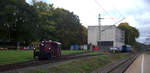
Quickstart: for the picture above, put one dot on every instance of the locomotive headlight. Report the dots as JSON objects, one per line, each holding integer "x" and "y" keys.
{"x": 42, "y": 44}
{"x": 49, "y": 48}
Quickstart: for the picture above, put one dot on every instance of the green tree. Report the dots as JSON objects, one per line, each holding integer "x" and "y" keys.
{"x": 18, "y": 20}
{"x": 131, "y": 33}
{"x": 45, "y": 21}
{"x": 23, "y": 22}
{"x": 69, "y": 26}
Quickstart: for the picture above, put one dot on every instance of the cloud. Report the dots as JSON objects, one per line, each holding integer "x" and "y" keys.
{"x": 147, "y": 1}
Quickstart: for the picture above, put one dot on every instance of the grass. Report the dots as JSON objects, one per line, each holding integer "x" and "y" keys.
{"x": 95, "y": 52}
{"x": 118, "y": 56}
{"x": 14, "y": 56}
{"x": 85, "y": 65}
{"x": 65, "y": 52}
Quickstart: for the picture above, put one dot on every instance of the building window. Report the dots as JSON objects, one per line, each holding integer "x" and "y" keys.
{"x": 105, "y": 43}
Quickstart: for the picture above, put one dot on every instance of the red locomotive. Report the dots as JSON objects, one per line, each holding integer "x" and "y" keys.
{"x": 47, "y": 50}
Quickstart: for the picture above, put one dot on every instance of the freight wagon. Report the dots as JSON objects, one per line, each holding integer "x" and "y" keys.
{"x": 125, "y": 48}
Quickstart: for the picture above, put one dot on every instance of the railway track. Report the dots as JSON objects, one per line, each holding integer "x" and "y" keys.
{"x": 119, "y": 67}
{"x": 33, "y": 63}
{"x": 123, "y": 66}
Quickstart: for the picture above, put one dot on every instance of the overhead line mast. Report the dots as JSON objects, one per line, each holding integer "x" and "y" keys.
{"x": 99, "y": 22}
{"x": 104, "y": 9}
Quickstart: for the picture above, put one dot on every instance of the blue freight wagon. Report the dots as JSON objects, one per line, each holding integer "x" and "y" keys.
{"x": 126, "y": 48}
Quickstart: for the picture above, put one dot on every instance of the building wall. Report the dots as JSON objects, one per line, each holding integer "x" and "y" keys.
{"x": 119, "y": 39}
{"x": 92, "y": 35}
{"x": 108, "y": 33}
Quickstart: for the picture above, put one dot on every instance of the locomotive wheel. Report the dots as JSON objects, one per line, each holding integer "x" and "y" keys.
{"x": 36, "y": 55}
{"x": 42, "y": 55}
{"x": 51, "y": 55}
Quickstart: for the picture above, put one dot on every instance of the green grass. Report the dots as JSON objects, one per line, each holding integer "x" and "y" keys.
{"x": 14, "y": 56}
{"x": 85, "y": 65}
{"x": 95, "y": 52}
{"x": 65, "y": 52}
{"x": 118, "y": 56}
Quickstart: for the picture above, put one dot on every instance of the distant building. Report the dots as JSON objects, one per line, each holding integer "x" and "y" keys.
{"x": 111, "y": 36}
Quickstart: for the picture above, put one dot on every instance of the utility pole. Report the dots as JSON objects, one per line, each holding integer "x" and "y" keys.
{"x": 99, "y": 35}
{"x": 99, "y": 23}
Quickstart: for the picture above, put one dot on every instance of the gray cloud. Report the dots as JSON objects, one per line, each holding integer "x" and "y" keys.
{"x": 143, "y": 22}
{"x": 147, "y": 1}
{"x": 144, "y": 30}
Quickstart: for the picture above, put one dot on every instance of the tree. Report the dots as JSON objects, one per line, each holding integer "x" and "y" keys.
{"x": 60, "y": 25}
{"x": 140, "y": 46}
{"x": 46, "y": 22}
{"x": 69, "y": 26}
{"x": 18, "y": 20}
{"x": 131, "y": 33}
{"x": 23, "y": 22}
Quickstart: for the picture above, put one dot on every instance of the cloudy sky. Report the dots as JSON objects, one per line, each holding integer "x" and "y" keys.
{"x": 135, "y": 12}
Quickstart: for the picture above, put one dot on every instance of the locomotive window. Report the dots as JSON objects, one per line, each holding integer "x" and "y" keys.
{"x": 47, "y": 46}
{"x": 55, "y": 45}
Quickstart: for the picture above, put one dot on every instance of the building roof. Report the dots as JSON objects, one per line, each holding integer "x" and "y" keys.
{"x": 104, "y": 27}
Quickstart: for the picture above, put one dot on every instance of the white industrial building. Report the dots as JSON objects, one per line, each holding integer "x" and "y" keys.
{"x": 109, "y": 36}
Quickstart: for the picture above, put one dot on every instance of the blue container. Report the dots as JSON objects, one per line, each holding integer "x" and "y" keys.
{"x": 74, "y": 47}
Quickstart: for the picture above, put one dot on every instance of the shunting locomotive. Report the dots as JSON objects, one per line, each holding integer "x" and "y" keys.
{"x": 47, "y": 50}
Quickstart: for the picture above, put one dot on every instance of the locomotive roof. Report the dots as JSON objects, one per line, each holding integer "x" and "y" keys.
{"x": 54, "y": 42}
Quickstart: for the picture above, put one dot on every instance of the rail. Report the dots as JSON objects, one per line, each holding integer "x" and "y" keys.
{"x": 119, "y": 66}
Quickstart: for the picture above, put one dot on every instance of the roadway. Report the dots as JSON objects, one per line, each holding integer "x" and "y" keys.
{"x": 140, "y": 65}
